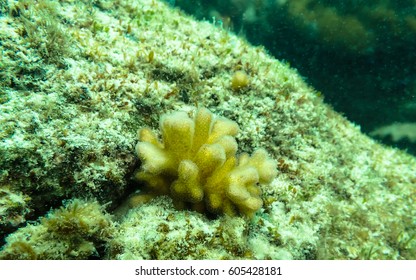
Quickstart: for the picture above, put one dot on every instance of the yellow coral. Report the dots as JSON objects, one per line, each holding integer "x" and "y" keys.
{"x": 239, "y": 80}
{"x": 196, "y": 164}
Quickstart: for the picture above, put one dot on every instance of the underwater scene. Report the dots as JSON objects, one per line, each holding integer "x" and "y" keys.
{"x": 224, "y": 130}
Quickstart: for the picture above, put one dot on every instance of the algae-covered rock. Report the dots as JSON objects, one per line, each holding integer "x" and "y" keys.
{"x": 69, "y": 116}
{"x": 78, "y": 230}
{"x": 13, "y": 207}
{"x": 170, "y": 234}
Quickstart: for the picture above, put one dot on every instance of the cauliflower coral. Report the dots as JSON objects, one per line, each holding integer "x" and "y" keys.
{"x": 196, "y": 164}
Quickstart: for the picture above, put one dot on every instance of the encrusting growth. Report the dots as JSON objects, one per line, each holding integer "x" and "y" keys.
{"x": 196, "y": 164}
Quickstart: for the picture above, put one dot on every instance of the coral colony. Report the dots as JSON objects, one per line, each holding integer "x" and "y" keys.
{"x": 196, "y": 164}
